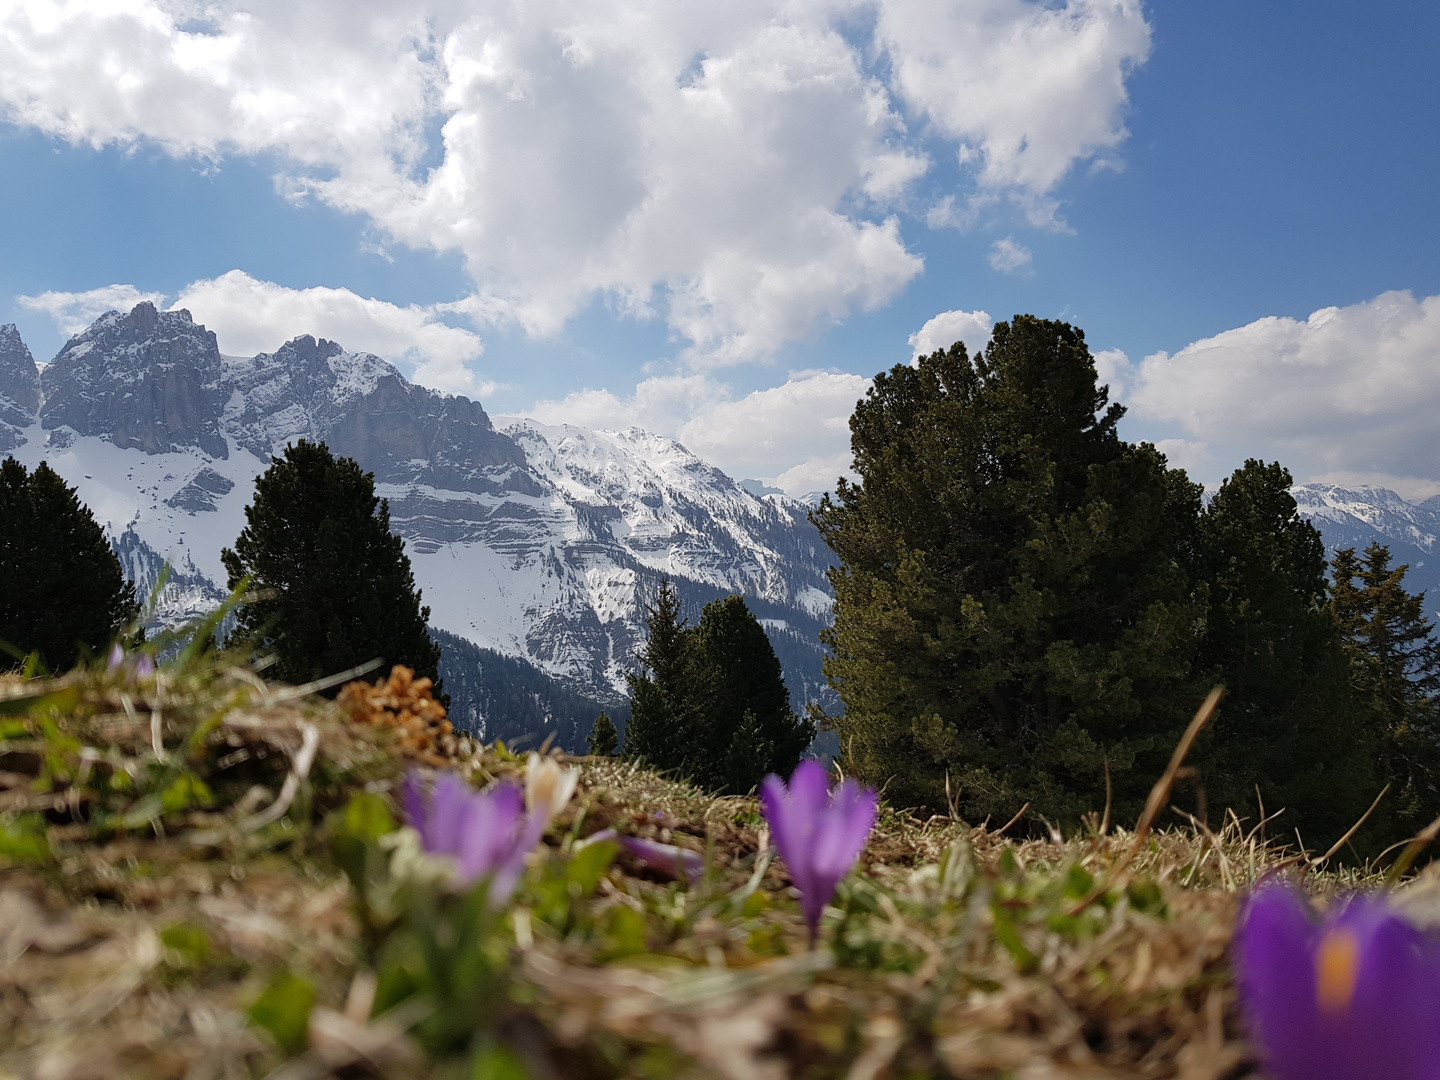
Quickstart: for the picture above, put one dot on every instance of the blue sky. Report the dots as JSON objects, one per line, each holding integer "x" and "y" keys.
{"x": 1207, "y": 178}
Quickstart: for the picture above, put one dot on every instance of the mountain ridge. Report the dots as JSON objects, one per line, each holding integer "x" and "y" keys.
{"x": 542, "y": 543}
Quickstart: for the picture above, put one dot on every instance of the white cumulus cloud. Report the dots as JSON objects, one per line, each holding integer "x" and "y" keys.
{"x": 1007, "y": 256}
{"x": 250, "y": 316}
{"x": 1351, "y": 392}
{"x": 1024, "y": 89}
{"x": 971, "y": 327}
{"x": 734, "y": 169}
{"x": 74, "y": 311}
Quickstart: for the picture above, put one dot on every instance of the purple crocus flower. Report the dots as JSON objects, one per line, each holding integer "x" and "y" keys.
{"x": 140, "y": 665}
{"x": 819, "y": 833}
{"x": 1355, "y": 997}
{"x": 669, "y": 859}
{"x": 488, "y": 833}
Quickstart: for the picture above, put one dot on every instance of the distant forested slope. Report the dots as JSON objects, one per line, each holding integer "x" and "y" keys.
{"x": 493, "y": 696}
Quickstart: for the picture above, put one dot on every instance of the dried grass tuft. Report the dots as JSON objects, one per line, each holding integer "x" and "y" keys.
{"x": 133, "y": 937}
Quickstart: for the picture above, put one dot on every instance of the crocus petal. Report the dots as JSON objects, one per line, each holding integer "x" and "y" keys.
{"x": 1353, "y": 998}
{"x": 548, "y": 785}
{"x": 448, "y": 801}
{"x": 486, "y": 832}
{"x": 773, "y": 803}
{"x": 809, "y": 787}
{"x": 819, "y": 835}
{"x": 116, "y": 657}
{"x": 668, "y": 858}
{"x": 489, "y": 831}
{"x": 144, "y": 666}
{"x": 1275, "y": 948}
{"x": 511, "y": 865}
{"x": 846, "y": 826}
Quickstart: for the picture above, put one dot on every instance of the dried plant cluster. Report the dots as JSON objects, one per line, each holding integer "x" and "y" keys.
{"x": 404, "y": 702}
{"x": 171, "y": 905}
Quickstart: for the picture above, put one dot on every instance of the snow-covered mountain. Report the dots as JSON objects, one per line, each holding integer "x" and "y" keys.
{"x": 1354, "y": 517}
{"x": 538, "y": 542}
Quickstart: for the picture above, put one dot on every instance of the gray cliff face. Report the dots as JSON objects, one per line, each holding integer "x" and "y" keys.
{"x": 365, "y": 409}
{"x": 145, "y": 380}
{"x": 19, "y": 388}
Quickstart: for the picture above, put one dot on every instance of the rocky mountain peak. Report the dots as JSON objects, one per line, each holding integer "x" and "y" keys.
{"x": 19, "y": 387}
{"x": 146, "y": 379}
{"x": 542, "y": 543}
{"x": 363, "y": 408}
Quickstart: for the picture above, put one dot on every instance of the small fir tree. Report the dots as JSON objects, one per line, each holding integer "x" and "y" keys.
{"x": 748, "y": 757}
{"x": 604, "y": 739}
{"x": 711, "y": 702}
{"x": 62, "y": 591}
{"x": 1394, "y": 661}
{"x": 663, "y": 718}
{"x": 332, "y": 585}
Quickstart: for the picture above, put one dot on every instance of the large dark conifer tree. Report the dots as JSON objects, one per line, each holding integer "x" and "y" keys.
{"x": 749, "y": 726}
{"x": 1012, "y": 606}
{"x": 332, "y": 585}
{"x": 1288, "y": 730}
{"x": 62, "y": 591}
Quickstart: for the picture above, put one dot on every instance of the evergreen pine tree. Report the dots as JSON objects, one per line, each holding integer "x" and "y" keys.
{"x": 747, "y": 758}
{"x": 62, "y": 591}
{"x": 1286, "y": 727}
{"x": 749, "y": 728}
{"x": 604, "y": 739}
{"x": 332, "y": 585}
{"x": 1012, "y": 605}
{"x": 711, "y": 702}
{"x": 1394, "y": 663}
{"x": 663, "y": 718}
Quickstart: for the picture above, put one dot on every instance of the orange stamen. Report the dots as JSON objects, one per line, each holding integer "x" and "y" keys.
{"x": 1337, "y": 965}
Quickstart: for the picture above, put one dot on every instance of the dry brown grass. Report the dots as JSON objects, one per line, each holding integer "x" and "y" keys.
{"x": 135, "y": 951}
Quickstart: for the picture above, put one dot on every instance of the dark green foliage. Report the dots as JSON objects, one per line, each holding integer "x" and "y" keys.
{"x": 1287, "y": 726}
{"x": 1012, "y": 605}
{"x": 746, "y": 704}
{"x": 714, "y": 704}
{"x": 62, "y": 591}
{"x": 604, "y": 739}
{"x": 494, "y": 696}
{"x": 1394, "y": 661}
{"x": 664, "y": 721}
{"x": 332, "y": 584}
{"x": 748, "y": 757}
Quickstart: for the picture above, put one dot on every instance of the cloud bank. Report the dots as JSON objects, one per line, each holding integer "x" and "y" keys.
{"x": 971, "y": 327}
{"x": 1349, "y": 395}
{"x": 738, "y": 170}
{"x": 72, "y": 312}
{"x": 250, "y": 316}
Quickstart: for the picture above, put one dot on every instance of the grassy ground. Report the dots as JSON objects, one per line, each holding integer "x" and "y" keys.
{"x": 171, "y": 905}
